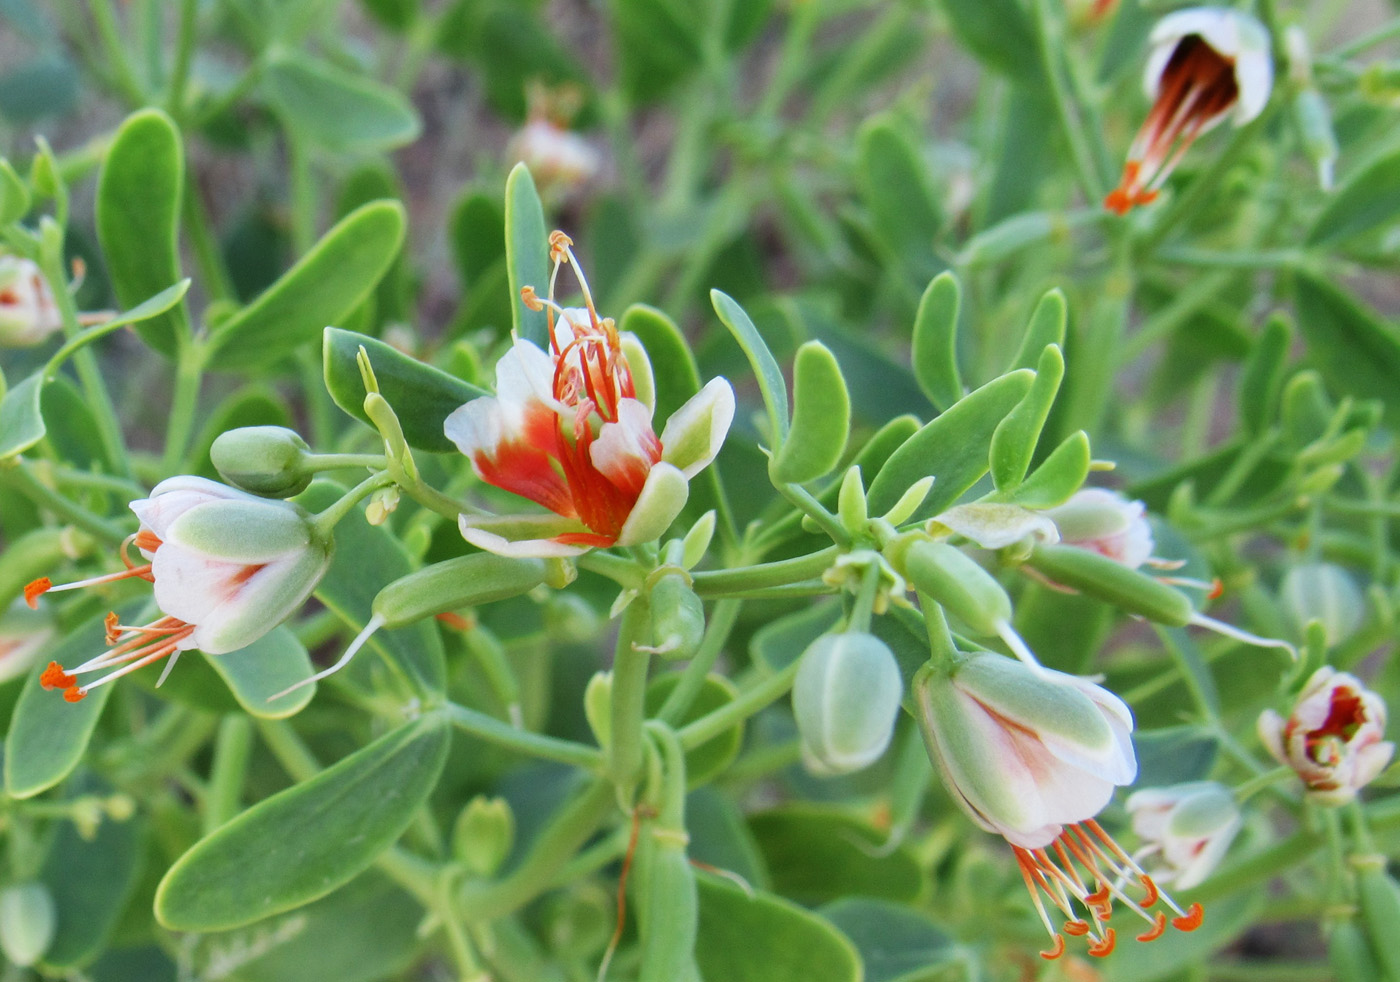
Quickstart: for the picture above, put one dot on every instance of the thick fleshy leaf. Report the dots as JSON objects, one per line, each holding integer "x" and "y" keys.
{"x": 303, "y": 842}
{"x": 770, "y": 378}
{"x": 264, "y": 668}
{"x": 757, "y": 937}
{"x": 1356, "y": 351}
{"x": 1172, "y": 953}
{"x": 326, "y": 284}
{"x": 1261, "y": 379}
{"x": 1174, "y": 755}
{"x": 1015, "y": 438}
{"x": 1368, "y": 199}
{"x": 895, "y": 943}
{"x": 48, "y": 735}
{"x": 821, "y": 417}
{"x": 336, "y": 109}
{"x": 1047, "y": 326}
{"x": 14, "y": 195}
{"x": 422, "y": 396}
{"x": 1062, "y": 474}
{"x": 935, "y": 343}
{"x": 527, "y": 254}
{"x": 138, "y": 218}
{"x": 895, "y": 188}
{"x": 90, "y": 881}
{"x": 367, "y": 558}
{"x": 816, "y": 856}
{"x": 720, "y": 837}
{"x": 952, "y": 448}
{"x": 1000, "y": 34}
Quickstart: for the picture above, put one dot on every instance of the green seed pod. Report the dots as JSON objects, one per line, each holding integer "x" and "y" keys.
{"x": 955, "y": 581}
{"x": 846, "y": 699}
{"x": 483, "y": 835}
{"x": 266, "y": 460}
{"x": 1111, "y": 581}
{"x": 1379, "y": 897}
{"x": 1350, "y": 953}
{"x": 27, "y": 921}
{"x": 466, "y": 581}
{"x": 677, "y": 618}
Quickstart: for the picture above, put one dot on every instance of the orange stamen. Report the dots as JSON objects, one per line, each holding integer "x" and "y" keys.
{"x": 1056, "y": 951}
{"x": 1077, "y": 928}
{"x": 55, "y": 677}
{"x": 74, "y": 693}
{"x": 1158, "y": 929}
{"x": 1104, "y": 947}
{"x": 114, "y": 630}
{"x": 1194, "y": 915}
{"x": 1217, "y": 587}
{"x": 146, "y": 540}
{"x": 34, "y": 590}
{"x": 1149, "y": 889}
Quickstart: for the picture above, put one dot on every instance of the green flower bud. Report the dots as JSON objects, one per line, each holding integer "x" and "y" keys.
{"x": 266, "y": 460}
{"x": 955, "y": 581}
{"x": 1323, "y": 592}
{"x": 846, "y": 699}
{"x": 27, "y": 921}
{"x": 483, "y": 835}
{"x": 597, "y": 707}
{"x": 677, "y": 618}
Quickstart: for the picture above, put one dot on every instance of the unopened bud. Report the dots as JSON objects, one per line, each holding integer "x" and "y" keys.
{"x": 1326, "y": 593}
{"x": 266, "y": 460}
{"x": 677, "y": 618}
{"x": 846, "y": 699}
{"x": 484, "y": 834}
{"x": 27, "y": 922}
{"x": 382, "y": 503}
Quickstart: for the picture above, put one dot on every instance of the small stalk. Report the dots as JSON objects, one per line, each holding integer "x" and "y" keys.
{"x": 629, "y": 687}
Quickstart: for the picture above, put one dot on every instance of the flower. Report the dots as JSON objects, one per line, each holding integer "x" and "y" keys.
{"x": 28, "y": 313}
{"x": 1332, "y": 738}
{"x": 557, "y": 157}
{"x": 1190, "y": 826}
{"x": 571, "y": 429}
{"x": 1033, "y": 755}
{"x": 226, "y": 567}
{"x": 1105, "y": 522}
{"x": 1205, "y": 63}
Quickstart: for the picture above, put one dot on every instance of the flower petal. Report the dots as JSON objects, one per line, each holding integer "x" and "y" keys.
{"x": 626, "y": 449}
{"x": 662, "y": 498}
{"x": 524, "y": 536}
{"x": 696, "y": 431}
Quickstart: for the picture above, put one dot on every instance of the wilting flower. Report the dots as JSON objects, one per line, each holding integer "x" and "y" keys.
{"x": 1187, "y": 826}
{"x": 1034, "y": 755}
{"x": 1332, "y": 739}
{"x": 1105, "y": 522}
{"x": 28, "y": 313}
{"x": 569, "y": 429}
{"x": 226, "y": 568}
{"x": 1206, "y": 63}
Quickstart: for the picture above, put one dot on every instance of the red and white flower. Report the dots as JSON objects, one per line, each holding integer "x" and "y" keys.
{"x": 1105, "y": 522}
{"x": 1206, "y": 64}
{"x": 1033, "y": 755}
{"x": 226, "y": 567}
{"x": 1332, "y": 739}
{"x": 28, "y": 313}
{"x": 1188, "y": 827}
{"x": 571, "y": 429}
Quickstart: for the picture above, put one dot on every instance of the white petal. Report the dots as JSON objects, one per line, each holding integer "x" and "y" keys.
{"x": 520, "y": 548}
{"x": 525, "y": 374}
{"x": 993, "y": 526}
{"x": 1270, "y": 727}
{"x": 696, "y": 431}
{"x": 475, "y": 427}
{"x": 662, "y": 498}
{"x": 174, "y": 496}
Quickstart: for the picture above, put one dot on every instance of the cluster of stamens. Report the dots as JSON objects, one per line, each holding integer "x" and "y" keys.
{"x": 130, "y": 647}
{"x": 1053, "y": 872}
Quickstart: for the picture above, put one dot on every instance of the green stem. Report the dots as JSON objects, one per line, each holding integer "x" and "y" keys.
{"x": 1052, "y": 48}
{"x": 778, "y": 574}
{"x": 73, "y": 477}
{"x": 328, "y": 519}
{"x": 816, "y": 511}
{"x": 184, "y": 54}
{"x": 629, "y": 687}
{"x": 1261, "y": 782}
{"x": 745, "y": 704}
{"x": 22, "y": 479}
{"x": 284, "y": 743}
{"x": 722, "y": 620}
{"x": 317, "y": 462}
{"x": 105, "y": 20}
{"x": 502, "y": 734}
{"x": 1379, "y": 36}
{"x": 184, "y": 403}
{"x": 208, "y": 256}
{"x": 624, "y": 572}
{"x": 570, "y": 828}
{"x": 232, "y": 747}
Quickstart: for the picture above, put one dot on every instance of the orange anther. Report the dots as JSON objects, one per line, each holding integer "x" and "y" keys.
{"x": 1194, "y": 915}
{"x": 1149, "y": 890}
{"x": 74, "y": 693}
{"x": 55, "y": 677}
{"x": 1056, "y": 951}
{"x": 1217, "y": 587}
{"x": 1077, "y": 928}
{"x": 113, "y": 628}
{"x": 1099, "y": 898}
{"x": 530, "y": 298}
{"x": 1158, "y": 929}
{"x": 558, "y": 246}
{"x": 1104, "y": 946}
{"x": 34, "y": 590}
{"x": 456, "y": 621}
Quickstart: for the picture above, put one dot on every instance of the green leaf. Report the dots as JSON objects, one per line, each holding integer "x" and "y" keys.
{"x": 659, "y": 43}
{"x": 527, "y": 253}
{"x": 770, "y": 378}
{"x": 1015, "y": 438}
{"x": 1000, "y": 34}
{"x": 1357, "y": 352}
{"x": 935, "y": 353}
{"x": 91, "y": 881}
{"x": 1061, "y": 474}
{"x": 713, "y": 757}
{"x": 14, "y": 194}
{"x": 895, "y": 943}
{"x": 1174, "y": 755}
{"x": 757, "y": 937}
{"x": 422, "y": 396}
{"x": 1047, "y": 326}
{"x": 267, "y": 666}
{"x": 367, "y": 558}
{"x": 821, "y": 417}
{"x": 894, "y": 184}
{"x": 816, "y": 856}
{"x": 1172, "y": 953}
{"x": 952, "y": 447}
{"x": 302, "y": 843}
{"x": 720, "y": 837}
{"x": 49, "y": 735}
{"x": 1369, "y": 199}
{"x": 1261, "y": 379}
{"x": 21, "y": 422}
{"x": 324, "y": 286}
{"x": 781, "y": 642}
{"x": 138, "y": 219}
{"x": 336, "y": 109}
